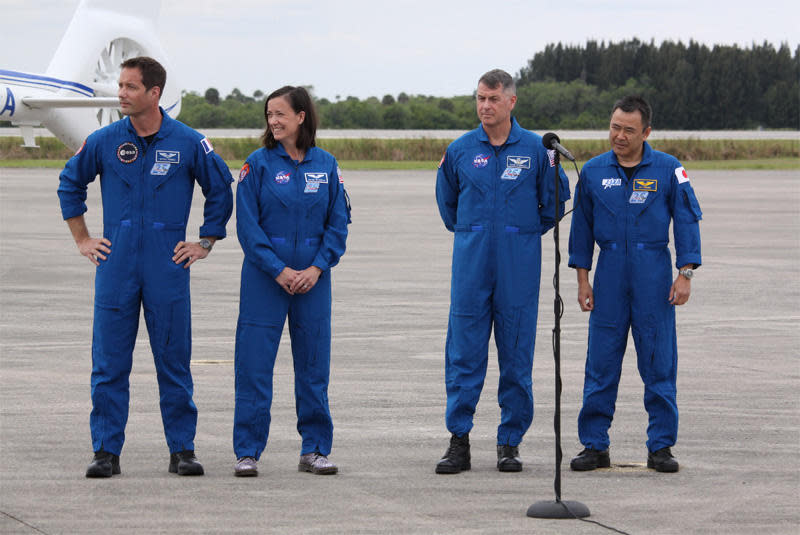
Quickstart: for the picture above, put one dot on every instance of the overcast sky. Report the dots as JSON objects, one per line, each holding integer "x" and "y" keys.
{"x": 372, "y": 48}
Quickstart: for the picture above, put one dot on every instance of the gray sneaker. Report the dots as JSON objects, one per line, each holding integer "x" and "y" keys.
{"x": 246, "y": 467}
{"x": 316, "y": 464}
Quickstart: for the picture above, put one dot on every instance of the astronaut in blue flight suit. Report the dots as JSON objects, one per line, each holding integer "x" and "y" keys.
{"x": 291, "y": 217}
{"x": 624, "y": 202}
{"x": 148, "y": 164}
{"x": 496, "y": 193}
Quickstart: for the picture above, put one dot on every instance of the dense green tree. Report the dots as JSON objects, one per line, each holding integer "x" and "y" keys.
{"x": 212, "y": 96}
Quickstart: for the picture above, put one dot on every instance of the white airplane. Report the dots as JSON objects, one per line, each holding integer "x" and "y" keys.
{"x": 77, "y": 94}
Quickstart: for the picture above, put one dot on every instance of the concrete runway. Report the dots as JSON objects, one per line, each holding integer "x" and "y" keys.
{"x": 738, "y": 386}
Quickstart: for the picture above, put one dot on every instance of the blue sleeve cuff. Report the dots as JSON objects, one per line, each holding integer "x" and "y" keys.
{"x": 213, "y": 230}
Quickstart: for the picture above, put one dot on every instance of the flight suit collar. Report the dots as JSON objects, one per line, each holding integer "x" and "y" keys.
{"x": 280, "y": 151}
{"x": 513, "y": 135}
{"x": 167, "y": 125}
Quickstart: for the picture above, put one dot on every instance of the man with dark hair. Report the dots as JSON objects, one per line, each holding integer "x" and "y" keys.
{"x": 148, "y": 164}
{"x": 624, "y": 202}
{"x": 496, "y": 192}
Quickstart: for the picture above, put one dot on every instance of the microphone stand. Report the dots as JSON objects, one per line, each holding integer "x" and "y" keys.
{"x": 557, "y": 508}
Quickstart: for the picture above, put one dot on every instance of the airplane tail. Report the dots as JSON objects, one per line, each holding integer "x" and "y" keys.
{"x": 101, "y": 35}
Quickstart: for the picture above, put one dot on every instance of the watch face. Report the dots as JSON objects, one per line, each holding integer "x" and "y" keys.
{"x": 688, "y": 273}
{"x": 205, "y": 244}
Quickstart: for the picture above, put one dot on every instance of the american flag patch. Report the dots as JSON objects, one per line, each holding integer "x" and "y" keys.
{"x": 551, "y": 155}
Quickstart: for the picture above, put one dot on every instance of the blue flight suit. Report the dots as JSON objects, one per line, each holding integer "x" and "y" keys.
{"x": 497, "y": 201}
{"x": 291, "y": 214}
{"x": 629, "y": 219}
{"x": 147, "y": 194}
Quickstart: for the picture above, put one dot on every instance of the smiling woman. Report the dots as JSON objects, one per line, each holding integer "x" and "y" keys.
{"x": 292, "y": 214}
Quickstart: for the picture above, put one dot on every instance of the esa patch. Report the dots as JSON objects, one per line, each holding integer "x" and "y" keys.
{"x": 244, "y": 171}
{"x": 511, "y": 173}
{"x": 312, "y": 187}
{"x": 611, "y": 182}
{"x": 319, "y": 178}
{"x": 160, "y": 168}
{"x": 480, "y": 161}
{"x": 127, "y": 152}
{"x": 645, "y": 184}
{"x": 519, "y": 162}
{"x": 168, "y": 156}
{"x": 206, "y": 144}
{"x": 638, "y": 197}
{"x": 681, "y": 174}
{"x": 283, "y": 177}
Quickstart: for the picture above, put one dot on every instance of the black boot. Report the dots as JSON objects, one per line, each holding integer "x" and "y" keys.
{"x": 104, "y": 464}
{"x": 508, "y": 458}
{"x": 184, "y": 463}
{"x": 589, "y": 459}
{"x": 456, "y": 458}
{"x": 662, "y": 460}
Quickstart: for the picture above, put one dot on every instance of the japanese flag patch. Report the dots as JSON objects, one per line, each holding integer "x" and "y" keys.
{"x": 682, "y": 175}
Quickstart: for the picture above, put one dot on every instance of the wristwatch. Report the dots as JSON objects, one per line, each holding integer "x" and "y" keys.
{"x": 206, "y": 244}
{"x": 688, "y": 273}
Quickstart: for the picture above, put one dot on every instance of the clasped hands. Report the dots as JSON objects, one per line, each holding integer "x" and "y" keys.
{"x": 298, "y": 282}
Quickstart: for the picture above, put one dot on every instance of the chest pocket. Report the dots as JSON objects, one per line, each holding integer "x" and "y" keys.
{"x": 171, "y": 188}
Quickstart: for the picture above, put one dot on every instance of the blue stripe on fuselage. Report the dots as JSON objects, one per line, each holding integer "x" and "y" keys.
{"x": 36, "y": 80}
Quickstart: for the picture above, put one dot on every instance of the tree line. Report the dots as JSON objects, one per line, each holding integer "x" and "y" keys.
{"x": 691, "y": 87}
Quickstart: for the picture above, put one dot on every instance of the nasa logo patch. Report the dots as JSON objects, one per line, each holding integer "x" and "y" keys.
{"x": 127, "y": 152}
{"x": 283, "y": 177}
{"x": 480, "y": 161}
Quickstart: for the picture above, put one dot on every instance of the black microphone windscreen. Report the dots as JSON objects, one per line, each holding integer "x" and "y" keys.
{"x": 548, "y": 138}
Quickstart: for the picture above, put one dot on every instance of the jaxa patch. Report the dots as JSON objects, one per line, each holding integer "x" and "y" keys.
{"x": 127, "y": 152}
{"x": 168, "y": 156}
{"x": 682, "y": 175}
{"x": 244, "y": 171}
{"x": 206, "y": 144}
{"x": 645, "y": 184}
{"x": 511, "y": 173}
{"x": 319, "y": 178}
{"x": 611, "y": 182}
{"x": 160, "y": 168}
{"x": 480, "y": 161}
{"x": 519, "y": 162}
{"x": 638, "y": 197}
{"x": 312, "y": 187}
{"x": 283, "y": 177}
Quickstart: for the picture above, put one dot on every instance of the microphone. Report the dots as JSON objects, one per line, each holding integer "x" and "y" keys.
{"x": 551, "y": 141}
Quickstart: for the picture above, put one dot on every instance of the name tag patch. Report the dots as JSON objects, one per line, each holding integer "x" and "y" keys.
{"x": 521, "y": 162}
{"x": 168, "y": 156}
{"x": 645, "y": 184}
{"x": 312, "y": 187}
{"x": 160, "y": 168}
{"x": 638, "y": 197}
{"x": 511, "y": 173}
{"x": 319, "y": 178}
